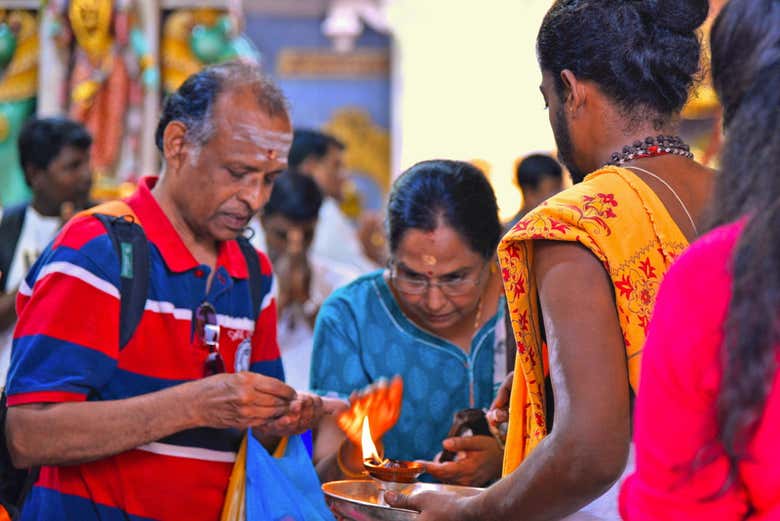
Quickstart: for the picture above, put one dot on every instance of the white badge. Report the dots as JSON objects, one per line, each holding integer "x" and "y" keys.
{"x": 242, "y": 355}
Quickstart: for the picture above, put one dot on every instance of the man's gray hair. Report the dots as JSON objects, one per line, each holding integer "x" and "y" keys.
{"x": 192, "y": 104}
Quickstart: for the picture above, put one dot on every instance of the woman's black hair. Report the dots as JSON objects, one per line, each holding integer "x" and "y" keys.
{"x": 454, "y": 193}
{"x": 746, "y": 75}
{"x": 643, "y": 54}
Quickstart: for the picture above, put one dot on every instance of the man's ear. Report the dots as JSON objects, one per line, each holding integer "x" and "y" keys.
{"x": 308, "y": 165}
{"x": 175, "y": 144}
{"x": 34, "y": 176}
{"x": 575, "y": 93}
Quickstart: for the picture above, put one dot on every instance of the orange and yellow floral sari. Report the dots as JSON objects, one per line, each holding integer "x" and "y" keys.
{"x": 620, "y": 219}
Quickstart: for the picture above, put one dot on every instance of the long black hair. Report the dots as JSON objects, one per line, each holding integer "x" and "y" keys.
{"x": 453, "y": 192}
{"x": 643, "y": 54}
{"x": 746, "y": 75}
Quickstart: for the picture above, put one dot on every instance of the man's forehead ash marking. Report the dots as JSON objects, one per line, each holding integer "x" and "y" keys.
{"x": 275, "y": 144}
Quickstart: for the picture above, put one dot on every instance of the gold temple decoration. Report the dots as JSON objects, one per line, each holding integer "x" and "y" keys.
{"x": 368, "y": 145}
{"x": 91, "y": 24}
{"x": 20, "y": 78}
{"x": 703, "y": 102}
{"x": 178, "y": 60}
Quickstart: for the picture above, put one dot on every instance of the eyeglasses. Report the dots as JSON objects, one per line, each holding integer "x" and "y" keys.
{"x": 207, "y": 331}
{"x": 452, "y": 286}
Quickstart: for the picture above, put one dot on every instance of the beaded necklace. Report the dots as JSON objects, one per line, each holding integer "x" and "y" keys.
{"x": 651, "y": 147}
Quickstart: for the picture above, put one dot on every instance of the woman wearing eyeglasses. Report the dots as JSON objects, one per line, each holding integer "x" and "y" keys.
{"x": 435, "y": 317}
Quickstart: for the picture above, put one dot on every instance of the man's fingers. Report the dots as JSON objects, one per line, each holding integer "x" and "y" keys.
{"x": 468, "y": 443}
{"x": 504, "y": 392}
{"x": 502, "y": 398}
{"x": 334, "y": 405}
{"x": 272, "y": 386}
{"x": 496, "y": 417}
{"x": 442, "y": 471}
{"x": 397, "y": 500}
{"x": 265, "y": 414}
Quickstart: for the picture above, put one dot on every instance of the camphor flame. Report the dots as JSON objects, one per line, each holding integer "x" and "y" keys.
{"x": 370, "y": 454}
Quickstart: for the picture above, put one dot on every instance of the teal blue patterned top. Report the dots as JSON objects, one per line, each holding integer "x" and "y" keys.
{"x": 361, "y": 335}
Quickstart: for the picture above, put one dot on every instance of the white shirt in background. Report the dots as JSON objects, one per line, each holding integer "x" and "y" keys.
{"x": 294, "y": 334}
{"x": 37, "y": 232}
{"x": 337, "y": 239}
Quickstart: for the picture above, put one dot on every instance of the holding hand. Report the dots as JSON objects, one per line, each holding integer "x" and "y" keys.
{"x": 499, "y": 409}
{"x": 241, "y": 400}
{"x": 304, "y": 413}
{"x": 478, "y": 461}
{"x": 435, "y": 506}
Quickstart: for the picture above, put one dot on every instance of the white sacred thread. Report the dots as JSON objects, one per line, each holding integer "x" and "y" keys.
{"x": 679, "y": 200}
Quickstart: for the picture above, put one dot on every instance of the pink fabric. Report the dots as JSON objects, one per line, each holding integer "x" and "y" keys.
{"x": 675, "y": 409}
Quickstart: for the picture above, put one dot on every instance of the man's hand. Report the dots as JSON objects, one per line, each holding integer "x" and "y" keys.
{"x": 243, "y": 400}
{"x": 303, "y": 414}
{"x": 478, "y": 461}
{"x": 434, "y": 506}
{"x": 499, "y": 409}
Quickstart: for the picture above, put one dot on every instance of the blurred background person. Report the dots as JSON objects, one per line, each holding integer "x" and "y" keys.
{"x": 54, "y": 154}
{"x": 708, "y": 414}
{"x": 539, "y": 177}
{"x": 321, "y": 156}
{"x": 303, "y": 280}
{"x": 435, "y": 317}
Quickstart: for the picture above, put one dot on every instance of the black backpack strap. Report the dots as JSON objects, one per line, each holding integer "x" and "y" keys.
{"x": 255, "y": 275}
{"x": 130, "y": 243}
{"x": 10, "y": 230}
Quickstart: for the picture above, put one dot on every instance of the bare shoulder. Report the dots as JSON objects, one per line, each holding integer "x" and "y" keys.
{"x": 567, "y": 254}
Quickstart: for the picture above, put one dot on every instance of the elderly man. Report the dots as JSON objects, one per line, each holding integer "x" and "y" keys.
{"x": 141, "y": 432}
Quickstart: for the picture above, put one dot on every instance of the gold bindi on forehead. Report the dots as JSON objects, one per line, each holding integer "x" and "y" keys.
{"x": 429, "y": 260}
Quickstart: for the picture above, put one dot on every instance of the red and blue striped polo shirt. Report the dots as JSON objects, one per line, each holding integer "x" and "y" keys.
{"x": 66, "y": 348}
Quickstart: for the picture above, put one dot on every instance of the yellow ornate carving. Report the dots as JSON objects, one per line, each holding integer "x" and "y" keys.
{"x": 5, "y": 128}
{"x": 368, "y": 145}
{"x": 91, "y": 24}
{"x": 703, "y": 102}
{"x": 178, "y": 60}
{"x": 20, "y": 79}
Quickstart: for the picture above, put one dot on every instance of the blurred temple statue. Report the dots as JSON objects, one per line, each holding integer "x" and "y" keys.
{"x": 103, "y": 56}
{"x": 18, "y": 84}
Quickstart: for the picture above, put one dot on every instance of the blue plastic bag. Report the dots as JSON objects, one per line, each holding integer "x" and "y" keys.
{"x": 283, "y": 489}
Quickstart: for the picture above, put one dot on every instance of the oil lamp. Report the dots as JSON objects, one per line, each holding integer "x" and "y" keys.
{"x": 391, "y": 474}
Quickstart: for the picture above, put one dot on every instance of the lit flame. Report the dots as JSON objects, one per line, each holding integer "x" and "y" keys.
{"x": 369, "y": 449}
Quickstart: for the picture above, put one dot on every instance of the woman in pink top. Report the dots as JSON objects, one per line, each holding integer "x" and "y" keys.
{"x": 707, "y": 428}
